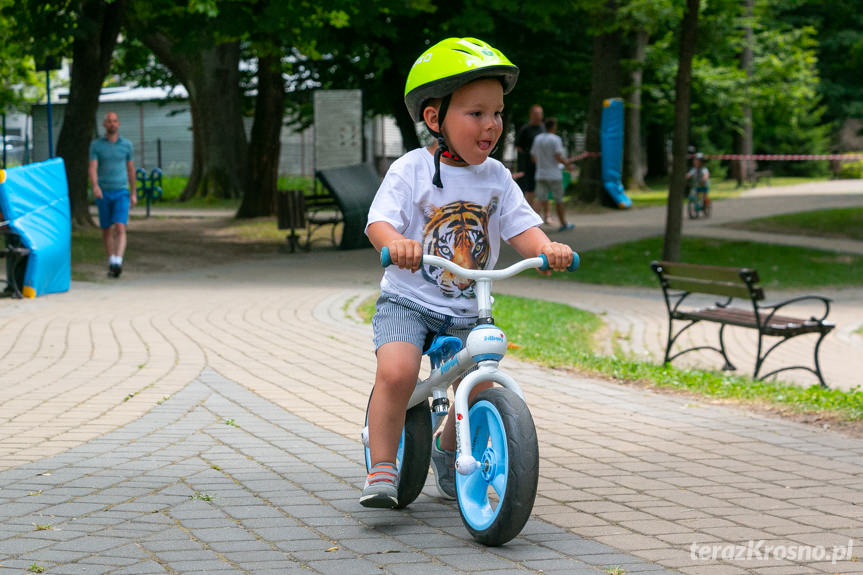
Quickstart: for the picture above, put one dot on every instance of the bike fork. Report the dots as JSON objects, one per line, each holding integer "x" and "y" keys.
{"x": 465, "y": 462}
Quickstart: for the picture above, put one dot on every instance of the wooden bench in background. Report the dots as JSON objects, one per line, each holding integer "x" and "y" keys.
{"x": 680, "y": 280}
{"x": 342, "y": 202}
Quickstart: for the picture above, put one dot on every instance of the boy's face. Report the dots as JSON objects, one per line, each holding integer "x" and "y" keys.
{"x": 473, "y": 122}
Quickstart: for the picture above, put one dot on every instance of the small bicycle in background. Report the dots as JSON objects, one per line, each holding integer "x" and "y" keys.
{"x": 497, "y": 456}
{"x": 698, "y": 204}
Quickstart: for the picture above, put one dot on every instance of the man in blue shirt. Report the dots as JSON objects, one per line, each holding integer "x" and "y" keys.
{"x": 112, "y": 176}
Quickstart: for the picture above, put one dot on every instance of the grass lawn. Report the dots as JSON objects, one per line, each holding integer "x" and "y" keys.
{"x": 172, "y": 187}
{"x": 657, "y": 194}
{"x": 87, "y": 248}
{"x": 557, "y": 335}
{"x": 836, "y": 223}
{"x": 780, "y": 267}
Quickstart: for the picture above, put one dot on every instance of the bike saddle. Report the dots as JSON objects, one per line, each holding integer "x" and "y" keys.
{"x": 443, "y": 346}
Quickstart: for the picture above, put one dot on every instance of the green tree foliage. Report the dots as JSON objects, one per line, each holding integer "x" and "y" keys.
{"x": 783, "y": 91}
{"x": 838, "y": 33}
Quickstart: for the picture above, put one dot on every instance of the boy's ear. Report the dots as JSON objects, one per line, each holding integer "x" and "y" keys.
{"x": 430, "y": 116}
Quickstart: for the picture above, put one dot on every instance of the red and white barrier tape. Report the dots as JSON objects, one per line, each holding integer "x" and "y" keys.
{"x": 782, "y": 157}
{"x": 772, "y": 157}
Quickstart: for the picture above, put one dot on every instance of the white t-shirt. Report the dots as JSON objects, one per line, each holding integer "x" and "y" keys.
{"x": 545, "y": 149}
{"x": 463, "y": 222}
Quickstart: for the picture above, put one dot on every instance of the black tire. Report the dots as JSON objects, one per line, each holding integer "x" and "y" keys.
{"x": 499, "y": 517}
{"x": 414, "y": 463}
{"x": 692, "y": 209}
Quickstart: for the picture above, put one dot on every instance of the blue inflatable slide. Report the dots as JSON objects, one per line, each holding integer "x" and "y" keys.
{"x": 34, "y": 200}
{"x": 611, "y": 139}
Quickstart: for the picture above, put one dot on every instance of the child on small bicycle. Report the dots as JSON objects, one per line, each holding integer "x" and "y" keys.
{"x": 699, "y": 178}
{"x": 451, "y": 200}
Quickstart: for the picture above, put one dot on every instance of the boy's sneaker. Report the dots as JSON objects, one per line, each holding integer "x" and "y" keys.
{"x": 112, "y": 271}
{"x": 565, "y": 227}
{"x": 443, "y": 465}
{"x": 381, "y": 490}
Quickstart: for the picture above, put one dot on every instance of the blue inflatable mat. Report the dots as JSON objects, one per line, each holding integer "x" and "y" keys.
{"x": 34, "y": 200}
{"x": 611, "y": 139}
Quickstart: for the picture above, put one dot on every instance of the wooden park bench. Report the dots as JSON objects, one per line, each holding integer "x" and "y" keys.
{"x": 679, "y": 281}
{"x": 755, "y": 175}
{"x": 16, "y": 261}
{"x": 343, "y": 204}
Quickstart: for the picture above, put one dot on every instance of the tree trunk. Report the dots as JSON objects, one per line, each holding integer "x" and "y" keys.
{"x": 746, "y": 166}
{"x": 408, "y": 131}
{"x": 92, "y": 48}
{"x": 212, "y": 78}
{"x": 633, "y": 118}
{"x": 605, "y": 83}
{"x": 657, "y": 152}
{"x": 265, "y": 144}
{"x": 683, "y": 88}
{"x": 197, "y": 156}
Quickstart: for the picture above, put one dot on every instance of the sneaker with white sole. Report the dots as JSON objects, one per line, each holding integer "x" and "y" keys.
{"x": 443, "y": 465}
{"x": 381, "y": 490}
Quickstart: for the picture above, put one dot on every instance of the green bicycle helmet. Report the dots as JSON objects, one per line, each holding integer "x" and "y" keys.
{"x": 449, "y": 65}
{"x": 443, "y": 69}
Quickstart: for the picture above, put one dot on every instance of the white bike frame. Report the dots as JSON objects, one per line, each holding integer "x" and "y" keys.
{"x": 485, "y": 347}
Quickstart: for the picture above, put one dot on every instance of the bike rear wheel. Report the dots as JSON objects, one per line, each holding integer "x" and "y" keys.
{"x": 496, "y": 500}
{"x": 414, "y": 452}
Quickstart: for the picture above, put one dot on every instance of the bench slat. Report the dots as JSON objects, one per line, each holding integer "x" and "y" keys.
{"x": 709, "y": 287}
{"x": 714, "y": 273}
{"x": 779, "y": 324}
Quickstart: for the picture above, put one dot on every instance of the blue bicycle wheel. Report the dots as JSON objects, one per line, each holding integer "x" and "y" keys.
{"x": 414, "y": 453}
{"x": 496, "y": 500}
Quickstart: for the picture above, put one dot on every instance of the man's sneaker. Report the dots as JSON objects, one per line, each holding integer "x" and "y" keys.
{"x": 443, "y": 465}
{"x": 112, "y": 271}
{"x": 381, "y": 490}
{"x": 565, "y": 227}
{"x": 118, "y": 269}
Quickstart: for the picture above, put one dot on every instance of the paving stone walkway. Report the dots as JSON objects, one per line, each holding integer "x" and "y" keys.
{"x": 207, "y": 422}
{"x": 218, "y": 480}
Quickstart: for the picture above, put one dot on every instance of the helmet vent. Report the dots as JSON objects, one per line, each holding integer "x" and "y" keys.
{"x": 462, "y": 51}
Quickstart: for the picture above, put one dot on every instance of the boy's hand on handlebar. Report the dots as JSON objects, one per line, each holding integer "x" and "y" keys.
{"x": 406, "y": 254}
{"x": 559, "y": 255}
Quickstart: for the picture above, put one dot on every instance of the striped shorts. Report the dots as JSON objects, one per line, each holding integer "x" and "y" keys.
{"x": 399, "y": 318}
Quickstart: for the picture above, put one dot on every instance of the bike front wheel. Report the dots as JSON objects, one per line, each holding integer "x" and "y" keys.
{"x": 496, "y": 500}
{"x": 692, "y": 208}
{"x": 414, "y": 452}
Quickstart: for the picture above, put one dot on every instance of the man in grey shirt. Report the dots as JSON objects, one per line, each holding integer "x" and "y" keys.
{"x": 548, "y": 154}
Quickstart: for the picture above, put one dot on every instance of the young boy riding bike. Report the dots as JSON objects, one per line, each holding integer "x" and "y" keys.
{"x": 451, "y": 200}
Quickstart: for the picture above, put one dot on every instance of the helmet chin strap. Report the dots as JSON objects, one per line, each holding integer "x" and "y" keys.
{"x": 442, "y": 148}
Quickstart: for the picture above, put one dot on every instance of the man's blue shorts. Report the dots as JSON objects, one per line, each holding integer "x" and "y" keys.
{"x": 113, "y": 208}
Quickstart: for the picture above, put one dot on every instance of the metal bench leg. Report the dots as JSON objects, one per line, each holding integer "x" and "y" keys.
{"x": 817, "y": 363}
{"x": 728, "y": 365}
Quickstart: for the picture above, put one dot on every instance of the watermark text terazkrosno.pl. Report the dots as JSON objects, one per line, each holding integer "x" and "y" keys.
{"x": 761, "y": 550}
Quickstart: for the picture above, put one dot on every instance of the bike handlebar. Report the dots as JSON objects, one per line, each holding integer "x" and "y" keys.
{"x": 540, "y": 262}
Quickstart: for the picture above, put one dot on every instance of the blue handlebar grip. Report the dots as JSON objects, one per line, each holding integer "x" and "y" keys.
{"x": 386, "y": 261}
{"x": 576, "y": 261}
{"x": 544, "y": 266}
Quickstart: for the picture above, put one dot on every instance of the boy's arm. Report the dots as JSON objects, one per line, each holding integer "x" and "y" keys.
{"x": 404, "y": 253}
{"x": 533, "y": 241}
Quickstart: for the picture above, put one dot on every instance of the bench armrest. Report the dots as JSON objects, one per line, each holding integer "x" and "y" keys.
{"x": 776, "y": 307}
